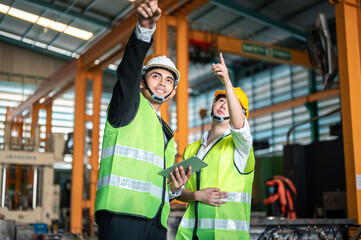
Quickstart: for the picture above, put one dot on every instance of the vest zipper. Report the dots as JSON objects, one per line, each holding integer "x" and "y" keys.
{"x": 160, "y": 209}
{"x": 164, "y": 179}
{"x": 195, "y": 237}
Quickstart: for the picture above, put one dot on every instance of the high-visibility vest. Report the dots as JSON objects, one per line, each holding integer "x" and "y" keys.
{"x": 132, "y": 156}
{"x": 231, "y": 220}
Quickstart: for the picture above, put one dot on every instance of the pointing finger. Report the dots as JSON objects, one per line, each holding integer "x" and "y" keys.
{"x": 221, "y": 59}
{"x": 152, "y": 7}
{"x": 153, "y": 4}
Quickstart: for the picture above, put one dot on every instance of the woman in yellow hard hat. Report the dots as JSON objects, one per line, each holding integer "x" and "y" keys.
{"x": 219, "y": 195}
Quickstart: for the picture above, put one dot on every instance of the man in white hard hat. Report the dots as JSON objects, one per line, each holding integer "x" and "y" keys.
{"x": 132, "y": 199}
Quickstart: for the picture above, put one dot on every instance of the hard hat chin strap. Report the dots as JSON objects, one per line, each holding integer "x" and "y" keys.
{"x": 156, "y": 98}
{"x": 218, "y": 118}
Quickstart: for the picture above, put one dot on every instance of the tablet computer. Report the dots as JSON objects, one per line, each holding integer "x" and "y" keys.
{"x": 196, "y": 164}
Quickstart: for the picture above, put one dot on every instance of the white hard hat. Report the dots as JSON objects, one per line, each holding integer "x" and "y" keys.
{"x": 163, "y": 62}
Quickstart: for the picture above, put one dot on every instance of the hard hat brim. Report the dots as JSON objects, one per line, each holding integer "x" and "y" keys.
{"x": 175, "y": 71}
{"x": 223, "y": 92}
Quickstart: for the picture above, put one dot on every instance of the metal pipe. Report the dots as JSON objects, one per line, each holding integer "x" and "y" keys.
{"x": 35, "y": 187}
{"x": 3, "y": 186}
{"x": 309, "y": 120}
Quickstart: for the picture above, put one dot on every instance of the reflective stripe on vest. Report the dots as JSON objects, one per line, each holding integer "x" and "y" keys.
{"x": 134, "y": 153}
{"x": 131, "y": 184}
{"x": 238, "y": 197}
{"x": 220, "y": 224}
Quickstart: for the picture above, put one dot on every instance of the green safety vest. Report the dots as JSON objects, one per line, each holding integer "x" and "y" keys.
{"x": 231, "y": 220}
{"x": 132, "y": 156}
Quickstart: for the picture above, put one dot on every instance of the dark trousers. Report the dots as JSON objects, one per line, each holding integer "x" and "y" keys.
{"x": 115, "y": 226}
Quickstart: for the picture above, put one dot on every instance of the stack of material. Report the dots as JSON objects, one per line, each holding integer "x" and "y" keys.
{"x": 7, "y": 229}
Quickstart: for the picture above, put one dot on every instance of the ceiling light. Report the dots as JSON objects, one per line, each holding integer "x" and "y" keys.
{"x": 23, "y": 15}
{"x": 57, "y": 26}
{"x": 4, "y": 8}
{"x": 45, "y": 22}
{"x": 76, "y": 32}
{"x": 51, "y": 24}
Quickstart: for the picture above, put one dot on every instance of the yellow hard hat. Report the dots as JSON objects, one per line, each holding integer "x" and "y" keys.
{"x": 242, "y": 97}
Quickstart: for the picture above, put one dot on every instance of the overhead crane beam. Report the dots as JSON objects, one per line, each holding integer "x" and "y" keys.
{"x": 250, "y": 49}
{"x": 255, "y": 50}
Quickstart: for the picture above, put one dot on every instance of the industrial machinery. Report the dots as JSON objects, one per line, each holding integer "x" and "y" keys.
{"x": 28, "y": 194}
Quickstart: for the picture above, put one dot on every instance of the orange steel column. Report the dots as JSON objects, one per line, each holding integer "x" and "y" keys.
{"x": 17, "y": 187}
{"x": 348, "y": 25}
{"x": 161, "y": 48}
{"x": 9, "y": 180}
{"x": 182, "y": 90}
{"x": 78, "y": 151}
{"x": 48, "y": 108}
{"x": 94, "y": 159}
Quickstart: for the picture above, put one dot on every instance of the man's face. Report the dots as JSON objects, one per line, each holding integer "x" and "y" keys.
{"x": 220, "y": 107}
{"x": 160, "y": 81}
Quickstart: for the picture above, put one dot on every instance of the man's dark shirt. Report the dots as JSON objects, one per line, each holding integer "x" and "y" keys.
{"x": 125, "y": 99}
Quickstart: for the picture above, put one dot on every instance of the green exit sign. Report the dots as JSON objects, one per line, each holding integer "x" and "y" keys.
{"x": 266, "y": 51}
